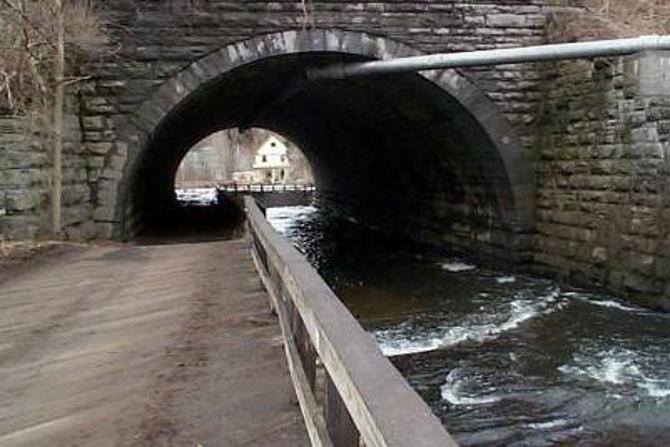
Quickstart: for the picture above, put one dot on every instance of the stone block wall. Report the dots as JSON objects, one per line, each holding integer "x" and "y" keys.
{"x": 25, "y": 179}
{"x": 78, "y": 207}
{"x": 603, "y": 178}
{"x": 153, "y": 41}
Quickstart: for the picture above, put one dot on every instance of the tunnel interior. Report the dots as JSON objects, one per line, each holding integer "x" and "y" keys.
{"x": 396, "y": 150}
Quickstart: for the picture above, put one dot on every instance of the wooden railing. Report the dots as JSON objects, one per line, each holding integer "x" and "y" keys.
{"x": 270, "y": 187}
{"x": 349, "y": 393}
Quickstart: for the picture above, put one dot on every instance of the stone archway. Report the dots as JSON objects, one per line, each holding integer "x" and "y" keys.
{"x": 511, "y": 179}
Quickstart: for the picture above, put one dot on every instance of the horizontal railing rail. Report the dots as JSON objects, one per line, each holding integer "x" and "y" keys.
{"x": 349, "y": 393}
{"x": 266, "y": 187}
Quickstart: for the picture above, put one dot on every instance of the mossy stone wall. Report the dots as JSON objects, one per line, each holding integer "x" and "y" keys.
{"x": 603, "y": 182}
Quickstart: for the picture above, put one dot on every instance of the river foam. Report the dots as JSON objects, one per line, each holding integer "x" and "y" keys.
{"x": 457, "y": 266}
{"x": 506, "y": 279}
{"x": 613, "y": 305}
{"x": 618, "y": 367}
{"x": 453, "y": 391}
{"x": 394, "y": 342}
{"x": 285, "y": 218}
{"x": 403, "y": 339}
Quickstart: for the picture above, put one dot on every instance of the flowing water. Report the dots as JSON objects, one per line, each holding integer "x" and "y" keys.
{"x": 502, "y": 358}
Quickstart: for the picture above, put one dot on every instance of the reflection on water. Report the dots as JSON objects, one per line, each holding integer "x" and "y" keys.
{"x": 503, "y": 359}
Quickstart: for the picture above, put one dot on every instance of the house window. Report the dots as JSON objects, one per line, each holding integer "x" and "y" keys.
{"x": 265, "y": 159}
{"x": 273, "y": 144}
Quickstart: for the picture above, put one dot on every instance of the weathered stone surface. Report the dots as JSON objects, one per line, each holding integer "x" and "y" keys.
{"x": 602, "y": 169}
{"x": 654, "y": 73}
{"x": 123, "y": 82}
{"x": 103, "y": 148}
{"x": 507, "y": 20}
{"x": 21, "y": 226}
{"x": 20, "y": 200}
{"x": 25, "y": 163}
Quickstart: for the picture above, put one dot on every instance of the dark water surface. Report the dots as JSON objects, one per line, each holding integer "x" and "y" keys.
{"x": 502, "y": 359}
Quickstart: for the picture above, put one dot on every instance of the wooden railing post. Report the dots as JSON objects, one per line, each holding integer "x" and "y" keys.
{"x": 306, "y": 350}
{"x": 341, "y": 427}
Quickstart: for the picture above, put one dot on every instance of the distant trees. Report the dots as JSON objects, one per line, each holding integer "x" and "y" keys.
{"x": 40, "y": 41}
{"x": 30, "y": 52}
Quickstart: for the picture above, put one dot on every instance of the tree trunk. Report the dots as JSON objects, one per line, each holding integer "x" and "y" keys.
{"x": 59, "y": 99}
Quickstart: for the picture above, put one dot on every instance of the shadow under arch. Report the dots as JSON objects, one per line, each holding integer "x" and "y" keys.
{"x": 430, "y": 145}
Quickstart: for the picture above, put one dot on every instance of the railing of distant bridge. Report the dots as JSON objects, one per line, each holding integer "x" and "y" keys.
{"x": 262, "y": 187}
{"x": 349, "y": 393}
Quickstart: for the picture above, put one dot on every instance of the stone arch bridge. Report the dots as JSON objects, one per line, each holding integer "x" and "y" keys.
{"x": 445, "y": 147}
{"x": 503, "y": 158}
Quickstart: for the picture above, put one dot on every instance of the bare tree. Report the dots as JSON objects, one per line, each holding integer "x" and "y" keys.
{"x": 39, "y": 45}
{"x": 647, "y": 16}
{"x": 59, "y": 101}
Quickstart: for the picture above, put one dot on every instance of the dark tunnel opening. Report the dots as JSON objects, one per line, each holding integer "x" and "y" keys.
{"x": 397, "y": 151}
{"x": 215, "y": 174}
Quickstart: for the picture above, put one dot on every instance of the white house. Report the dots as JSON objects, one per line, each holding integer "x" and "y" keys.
{"x": 271, "y": 162}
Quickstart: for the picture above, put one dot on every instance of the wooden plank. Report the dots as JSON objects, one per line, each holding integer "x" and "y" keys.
{"x": 384, "y": 408}
{"x": 341, "y": 427}
{"x": 312, "y": 415}
{"x": 307, "y": 354}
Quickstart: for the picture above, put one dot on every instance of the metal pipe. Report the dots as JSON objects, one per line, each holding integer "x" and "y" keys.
{"x": 540, "y": 53}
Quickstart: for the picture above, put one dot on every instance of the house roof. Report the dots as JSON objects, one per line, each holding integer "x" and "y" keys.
{"x": 272, "y": 146}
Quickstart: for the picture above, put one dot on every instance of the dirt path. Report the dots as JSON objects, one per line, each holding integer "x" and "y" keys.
{"x": 143, "y": 346}
{"x": 17, "y": 258}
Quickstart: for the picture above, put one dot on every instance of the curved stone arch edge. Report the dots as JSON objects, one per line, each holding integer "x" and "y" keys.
{"x": 139, "y": 128}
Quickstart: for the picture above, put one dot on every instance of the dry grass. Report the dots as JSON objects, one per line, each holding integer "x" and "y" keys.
{"x": 609, "y": 19}
{"x": 13, "y": 253}
{"x": 638, "y": 16}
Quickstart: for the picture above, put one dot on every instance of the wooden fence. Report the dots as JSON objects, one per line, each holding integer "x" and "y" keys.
{"x": 349, "y": 393}
{"x": 262, "y": 187}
